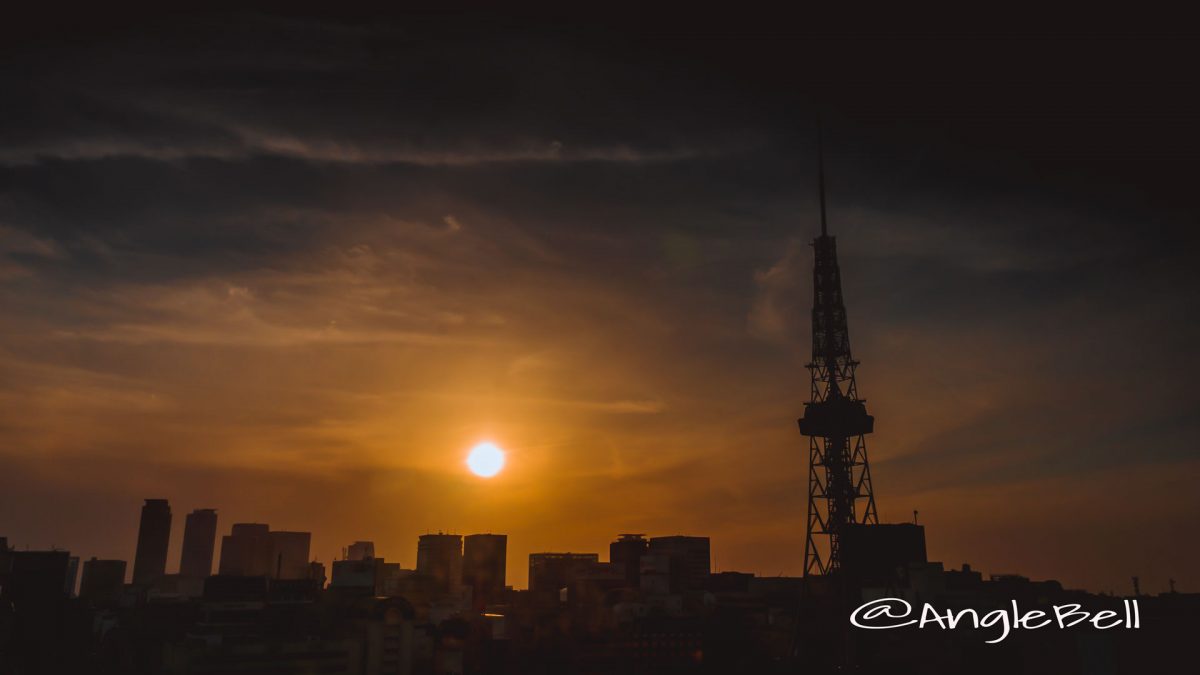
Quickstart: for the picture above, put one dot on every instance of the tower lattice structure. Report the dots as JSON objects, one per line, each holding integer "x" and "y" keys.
{"x": 835, "y": 419}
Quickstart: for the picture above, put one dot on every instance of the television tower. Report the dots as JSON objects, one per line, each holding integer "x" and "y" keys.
{"x": 835, "y": 418}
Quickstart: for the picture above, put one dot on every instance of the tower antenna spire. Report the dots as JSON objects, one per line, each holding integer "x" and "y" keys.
{"x": 821, "y": 173}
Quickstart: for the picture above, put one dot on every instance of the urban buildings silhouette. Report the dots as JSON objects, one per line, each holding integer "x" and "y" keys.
{"x": 655, "y": 605}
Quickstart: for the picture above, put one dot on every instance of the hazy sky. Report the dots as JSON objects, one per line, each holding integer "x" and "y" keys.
{"x": 293, "y": 268}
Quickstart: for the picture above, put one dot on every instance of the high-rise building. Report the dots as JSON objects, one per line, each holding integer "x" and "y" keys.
{"x": 484, "y": 562}
{"x": 440, "y": 556}
{"x": 626, "y": 552}
{"x": 246, "y": 551}
{"x": 289, "y": 555}
{"x": 154, "y": 535}
{"x": 555, "y": 571}
{"x": 199, "y": 539}
{"x": 102, "y": 582}
{"x": 689, "y": 560}
{"x": 360, "y": 550}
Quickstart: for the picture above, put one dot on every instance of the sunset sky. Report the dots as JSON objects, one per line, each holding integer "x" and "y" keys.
{"x": 293, "y": 268}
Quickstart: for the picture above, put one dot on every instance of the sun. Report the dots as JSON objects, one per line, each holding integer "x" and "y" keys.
{"x": 485, "y": 460}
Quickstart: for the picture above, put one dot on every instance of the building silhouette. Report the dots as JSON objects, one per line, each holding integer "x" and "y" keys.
{"x": 289, "y": 554}
{"x": 359, "y": 550}
{"x": 246, "y": 551}
{"x": 440, "y": 556}
{"x": 484, "y": 562}
{"x": 316, "y": 572}
{"x": 555, "y": 571}
{"x": 102, "y": 583}
{"x": 154, "y": 535}
{"x": 871, "y": 554}
{"x": 689, "y": 560}
{"x": 37, "y": 577}
{"x": 199, "y": 540}
{"x": 362, "y": 573}
{"x": 626, "y": 552}
{"x": 33, "y": 607}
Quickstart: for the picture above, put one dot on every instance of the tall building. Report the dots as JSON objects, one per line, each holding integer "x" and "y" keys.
{"x": 440, "y": 556}
{"x": 102, "y": 582}
{"x": 199, "y": 539}
{"x": 289, "y": 555}
{"x": 690, "y": 560}
{"x": 626, "y": 552}
{"x": 246, "y": 551}
{"x": 484, "y": 562}
{"x": 154, "y": 535}
{"x": 554, "y": 571}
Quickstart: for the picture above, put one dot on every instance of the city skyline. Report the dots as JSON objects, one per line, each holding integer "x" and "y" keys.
{"x": 296, "y": 269}
{"x": 174, "y": 565}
